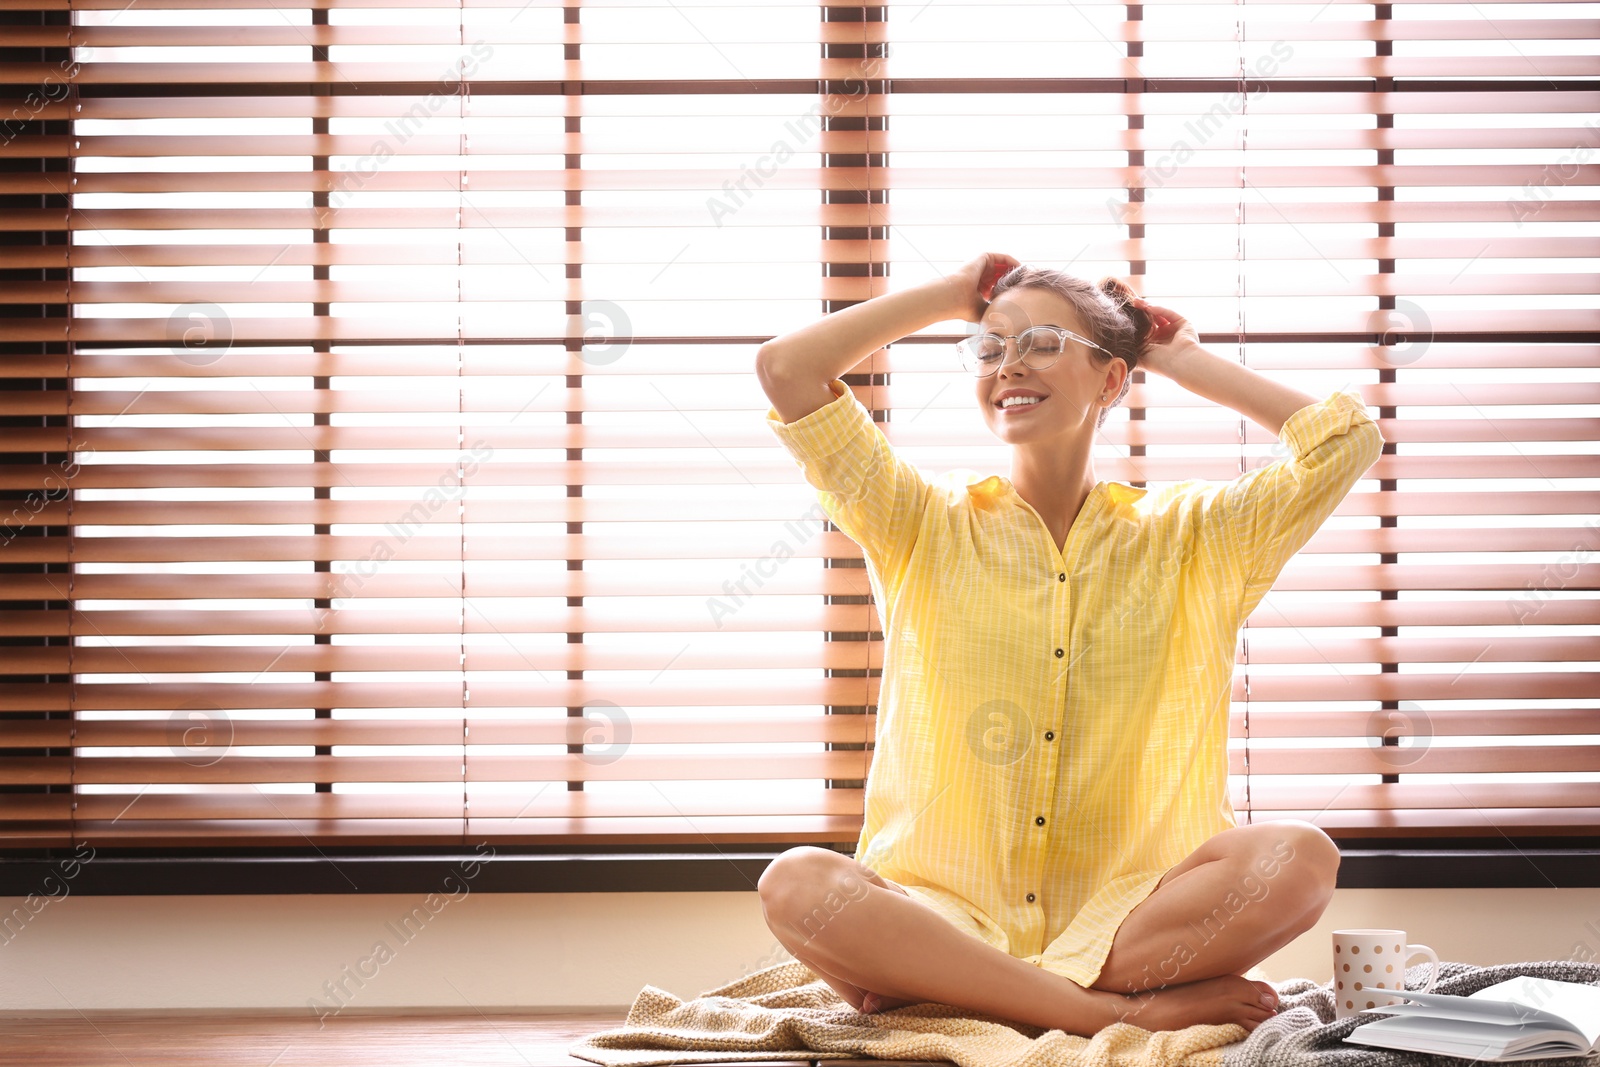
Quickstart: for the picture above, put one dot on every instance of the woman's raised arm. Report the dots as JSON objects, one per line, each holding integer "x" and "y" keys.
{"x": 795, "y": 368}
{"x": 1174, "y": 352}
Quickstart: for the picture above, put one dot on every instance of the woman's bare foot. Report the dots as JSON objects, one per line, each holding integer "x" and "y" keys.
{"x": 1228, "y": 998}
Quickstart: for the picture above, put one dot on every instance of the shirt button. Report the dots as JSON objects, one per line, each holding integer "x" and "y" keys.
{"x": 1059, "y": 653}
{"x": 1061, "y": 577}
{"x": 1030, "y": 898}
{"x": 1039, "y": 819}
{"x": 1049, "y": 735}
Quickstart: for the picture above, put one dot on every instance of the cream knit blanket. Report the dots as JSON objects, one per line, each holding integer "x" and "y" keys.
{"x": 786, "y": 1012}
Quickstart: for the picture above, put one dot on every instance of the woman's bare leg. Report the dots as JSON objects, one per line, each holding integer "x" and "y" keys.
{"x": 1235, "y": 900}
{"x": 837, "y": 917}
{"x": 863, "y": 1000}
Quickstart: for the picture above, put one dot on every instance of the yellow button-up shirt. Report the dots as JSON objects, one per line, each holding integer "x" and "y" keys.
{"x": 1053, "y": 725}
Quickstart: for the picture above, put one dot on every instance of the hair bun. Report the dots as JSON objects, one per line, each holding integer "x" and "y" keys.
{"x": 1122, "y": 298}
{"x": 1118, "y": 290}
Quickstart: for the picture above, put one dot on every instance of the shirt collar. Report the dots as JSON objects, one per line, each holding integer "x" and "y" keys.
{"x": 1120, "y": 493}
{"x": 995, "y": 486}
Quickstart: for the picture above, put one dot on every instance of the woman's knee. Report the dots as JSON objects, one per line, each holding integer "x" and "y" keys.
{"x": 799, "y": 870}
{"x": 1309, "y": 849}
{"x": 1302, "y": 865}
{"x": 806, "y": 878}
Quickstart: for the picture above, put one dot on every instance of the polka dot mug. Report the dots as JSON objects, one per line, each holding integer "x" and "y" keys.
{"x": 1369, "y": 966}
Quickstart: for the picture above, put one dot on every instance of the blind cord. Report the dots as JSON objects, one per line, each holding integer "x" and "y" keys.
{"x": 67, "y": 491}
{"x": 462, "y": 97}
{"x": 1239, "y": 303}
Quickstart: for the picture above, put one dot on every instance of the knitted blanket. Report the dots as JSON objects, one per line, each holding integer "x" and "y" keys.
{"x": 1306, "y": 1032}
{"x": 786, "y": 1013}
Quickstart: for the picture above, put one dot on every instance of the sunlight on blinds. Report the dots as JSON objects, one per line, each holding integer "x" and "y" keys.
{"x": 399, "y": 360}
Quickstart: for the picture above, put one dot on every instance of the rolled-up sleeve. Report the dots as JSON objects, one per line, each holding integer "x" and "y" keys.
{"x": 1271, "y": 513}
{"x": 863, "y": 485}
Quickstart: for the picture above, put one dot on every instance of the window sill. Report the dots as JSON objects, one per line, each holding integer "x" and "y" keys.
{"x": 1402, "y": 865}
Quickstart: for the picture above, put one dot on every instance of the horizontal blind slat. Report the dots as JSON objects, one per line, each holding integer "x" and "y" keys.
{"x": 400, "y": 536}
{"x": 758, "y": 613}
{"x": 833, "y": 581}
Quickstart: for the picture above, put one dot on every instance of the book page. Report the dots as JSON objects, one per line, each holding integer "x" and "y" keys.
{"x": 1477, "y": 1008}
{"x": 1469, "y": 1040}
{"x": 1577, "y": 1005}
{"x": 1469, "y": 1014}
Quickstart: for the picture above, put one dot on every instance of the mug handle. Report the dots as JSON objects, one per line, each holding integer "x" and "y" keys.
{"x": 1433, "y": 957}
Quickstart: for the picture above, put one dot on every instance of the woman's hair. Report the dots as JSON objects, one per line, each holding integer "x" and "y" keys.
{"x": 1120, "y": 327}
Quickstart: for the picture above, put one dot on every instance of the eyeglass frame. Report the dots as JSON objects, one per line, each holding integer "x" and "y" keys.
{"x": 1064, "y": 333}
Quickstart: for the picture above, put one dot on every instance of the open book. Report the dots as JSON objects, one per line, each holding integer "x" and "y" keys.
{"x": 1522, "y": 1018}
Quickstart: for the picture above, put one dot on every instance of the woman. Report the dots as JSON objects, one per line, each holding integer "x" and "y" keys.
{"x": 1047, "y": 815}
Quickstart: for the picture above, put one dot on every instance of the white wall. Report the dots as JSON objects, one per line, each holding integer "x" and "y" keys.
{"x": 582, "y": 950}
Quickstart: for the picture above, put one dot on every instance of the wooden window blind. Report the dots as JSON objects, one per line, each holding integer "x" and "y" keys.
{"x": 384, "y": 460}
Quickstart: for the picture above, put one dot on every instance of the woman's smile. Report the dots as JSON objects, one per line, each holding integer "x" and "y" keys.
{"x": 1013, "y": 401}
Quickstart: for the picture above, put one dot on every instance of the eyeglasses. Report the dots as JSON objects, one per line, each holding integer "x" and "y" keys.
{"x": 1037, "y": 347}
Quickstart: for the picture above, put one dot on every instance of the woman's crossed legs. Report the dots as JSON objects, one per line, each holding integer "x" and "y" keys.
{"x": 880, "y": 947}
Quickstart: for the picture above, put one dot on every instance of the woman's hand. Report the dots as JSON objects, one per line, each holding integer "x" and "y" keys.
{"x": 973, "y": 283}
{"x": 1171, "y": 335}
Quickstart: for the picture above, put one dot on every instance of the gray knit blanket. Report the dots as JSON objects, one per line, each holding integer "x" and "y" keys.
{"x": 1306, "y": 1032}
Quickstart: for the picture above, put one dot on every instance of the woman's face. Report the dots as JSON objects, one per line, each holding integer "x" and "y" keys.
{"x": 1069, "y": 389}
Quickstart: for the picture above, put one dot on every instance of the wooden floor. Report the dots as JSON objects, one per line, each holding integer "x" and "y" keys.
{"x": 274, "y": 1039}
{"x": 258, "y": 1039}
